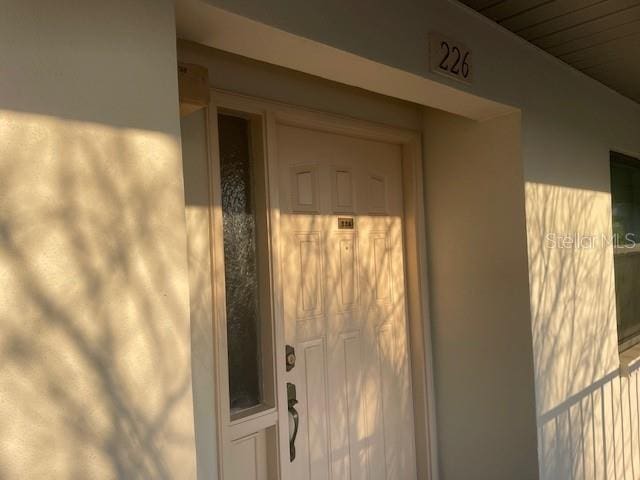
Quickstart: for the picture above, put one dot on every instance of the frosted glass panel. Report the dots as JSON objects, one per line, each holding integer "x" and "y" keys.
{"x": 240, "y": 266}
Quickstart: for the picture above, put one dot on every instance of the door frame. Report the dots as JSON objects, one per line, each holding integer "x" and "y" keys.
{"x": 270, "y": 114}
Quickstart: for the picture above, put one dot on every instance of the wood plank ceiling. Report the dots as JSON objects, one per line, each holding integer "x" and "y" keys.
{"x": 598, "y": 37}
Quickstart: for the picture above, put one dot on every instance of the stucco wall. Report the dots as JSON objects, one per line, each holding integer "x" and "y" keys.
{"x": 586, "y": 415}
{"x": 95, "y": 378}
{"x": 479, "y": 297}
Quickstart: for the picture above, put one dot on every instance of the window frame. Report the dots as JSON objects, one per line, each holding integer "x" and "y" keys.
{"x": 237, "y": 423}
{"x": 259, "y": 207}
{"x": 630, "y": 342}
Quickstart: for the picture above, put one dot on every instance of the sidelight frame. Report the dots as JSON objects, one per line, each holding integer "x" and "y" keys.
{"x": 267, "y": 115}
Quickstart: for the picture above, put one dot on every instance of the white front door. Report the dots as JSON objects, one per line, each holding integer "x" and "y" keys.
{"x": 343, "y": 290}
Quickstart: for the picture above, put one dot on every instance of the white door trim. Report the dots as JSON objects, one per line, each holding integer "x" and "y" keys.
{"x": 415, "y": 250}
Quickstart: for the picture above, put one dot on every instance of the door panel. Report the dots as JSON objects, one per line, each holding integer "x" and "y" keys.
{"x": 248, "y": 458}
{"x": 344, "y": 305}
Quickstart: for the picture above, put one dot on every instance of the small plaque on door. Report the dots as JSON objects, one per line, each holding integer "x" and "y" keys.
{"x": 345, "y": 223}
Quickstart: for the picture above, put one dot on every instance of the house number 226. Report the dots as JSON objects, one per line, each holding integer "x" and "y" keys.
{"x": 449, "y": 57}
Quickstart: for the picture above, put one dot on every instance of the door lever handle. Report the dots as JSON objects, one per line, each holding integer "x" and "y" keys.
{"x": 292, "y": 402}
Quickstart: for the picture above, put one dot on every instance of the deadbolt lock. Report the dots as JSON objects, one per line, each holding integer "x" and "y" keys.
{"x": 290, "y": 356}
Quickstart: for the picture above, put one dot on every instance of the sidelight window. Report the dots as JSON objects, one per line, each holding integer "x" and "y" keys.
{"x": 245, "y": 264}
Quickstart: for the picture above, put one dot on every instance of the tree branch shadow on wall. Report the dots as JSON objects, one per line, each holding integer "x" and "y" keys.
{"x": 94, "y": 366}
{"x": 588, "y": 416}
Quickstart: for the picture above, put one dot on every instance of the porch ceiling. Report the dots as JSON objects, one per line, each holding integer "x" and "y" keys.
{"x": 598, "y": 37}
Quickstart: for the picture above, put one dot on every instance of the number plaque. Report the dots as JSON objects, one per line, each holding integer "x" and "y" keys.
{"x": 345, "y": 223}
{"x": 451, "y": 58}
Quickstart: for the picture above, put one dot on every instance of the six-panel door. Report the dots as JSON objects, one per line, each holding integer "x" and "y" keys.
{"x": 344, "y": 305}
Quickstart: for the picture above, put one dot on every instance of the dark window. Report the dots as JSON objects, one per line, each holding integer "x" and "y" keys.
{"x": 240, "y": 263}
{"x": 625, "y": 204}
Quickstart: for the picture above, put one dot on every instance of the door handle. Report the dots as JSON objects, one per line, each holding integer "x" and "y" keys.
{"x": 292, "y": 401}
